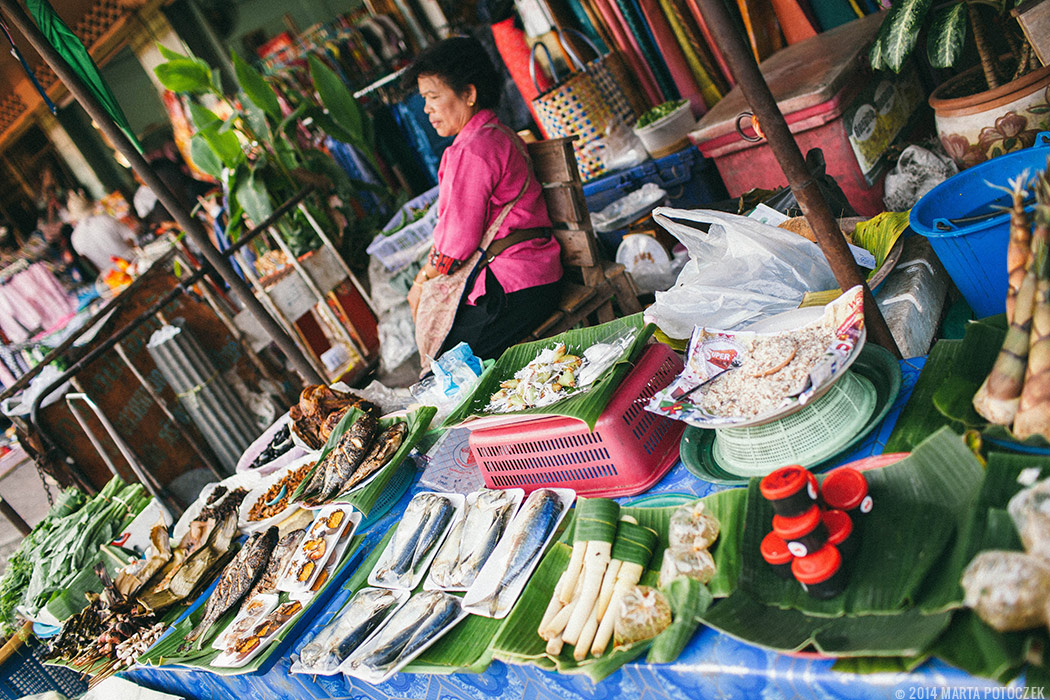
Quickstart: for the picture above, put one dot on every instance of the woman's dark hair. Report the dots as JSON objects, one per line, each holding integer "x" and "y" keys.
{"x": 459, "y": 62}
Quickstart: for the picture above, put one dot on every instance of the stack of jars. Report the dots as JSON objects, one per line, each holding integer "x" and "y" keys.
{"x": 814, "y": 534}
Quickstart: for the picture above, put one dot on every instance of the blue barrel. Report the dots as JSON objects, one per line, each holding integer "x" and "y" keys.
{"x": 963, "y": 220}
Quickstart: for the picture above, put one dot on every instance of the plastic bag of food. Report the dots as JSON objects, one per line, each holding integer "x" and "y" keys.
{"x": 1030, "y": 511}
{"x": 1008, "y": 590}
{"x": 739, "y": 269}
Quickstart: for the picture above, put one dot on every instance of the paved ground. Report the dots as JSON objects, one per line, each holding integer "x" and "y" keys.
{"x": 21, "y": 487}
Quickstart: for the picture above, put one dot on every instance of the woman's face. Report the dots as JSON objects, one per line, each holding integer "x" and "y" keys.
{"x": 448, "y": 111}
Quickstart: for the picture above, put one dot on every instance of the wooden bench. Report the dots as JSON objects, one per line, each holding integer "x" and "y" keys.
{"x": 593, "y": 290}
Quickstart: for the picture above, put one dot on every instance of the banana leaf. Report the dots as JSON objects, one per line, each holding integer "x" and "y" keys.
{"x": 73, "y": 599}
{"x": 586, "y": 406}
{"x": 878, "y": 235}
{"x": 365, "y": 498}
{"x": 167, "y": 652}
{"x": 519, "y": 643}
{"x": 943, "y": 395}
{"x": 953, "y": 399}
{"x": 969, "y": 643}
{"x": 904, "y": 584}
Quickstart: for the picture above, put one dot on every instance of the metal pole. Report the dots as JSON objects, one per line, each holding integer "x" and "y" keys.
{"x": 758, "y": 95}
{"x": 185, "y": 220}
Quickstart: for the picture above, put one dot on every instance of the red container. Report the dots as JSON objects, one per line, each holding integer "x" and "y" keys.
{"x": 846, "y": 489}
{"x": 821, "y": 573}
{"x": 629, "y": 451}
{"x": 804, "y": 534}
{"x": 792, "y": 490}
{"x": 774, "y": 550}
{"x": 831, "y": 101}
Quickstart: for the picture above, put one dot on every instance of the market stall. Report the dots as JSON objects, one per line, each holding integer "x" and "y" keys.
{"x": 743, "y": 492}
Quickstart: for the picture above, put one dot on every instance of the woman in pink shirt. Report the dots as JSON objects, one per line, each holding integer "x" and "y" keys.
{"x": 485, "y": 182}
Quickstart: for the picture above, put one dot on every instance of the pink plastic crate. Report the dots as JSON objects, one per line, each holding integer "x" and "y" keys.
{"x": 629, "y": 451}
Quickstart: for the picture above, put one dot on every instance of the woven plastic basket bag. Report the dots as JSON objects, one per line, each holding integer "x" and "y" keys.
{"x": 574, "y": 106}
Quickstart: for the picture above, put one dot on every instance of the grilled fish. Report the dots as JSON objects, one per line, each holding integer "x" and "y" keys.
{"x": 369, "y": 607}
{"x": 239, "y": 576}
{"x": 425, "y": 519}
{"x": 527, "y": 533}
{"x": 279, "y": 558}
{"x": 384, "y": 447}
{"x": 348, "y": 455}
{"x": 412, "y": 626}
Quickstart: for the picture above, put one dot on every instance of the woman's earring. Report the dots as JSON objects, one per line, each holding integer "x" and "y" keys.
{"x": 471, "y": 103}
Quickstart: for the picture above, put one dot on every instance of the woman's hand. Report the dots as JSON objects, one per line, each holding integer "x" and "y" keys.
{"x": 427, "y": 272}
{"x": 413, "y": 297}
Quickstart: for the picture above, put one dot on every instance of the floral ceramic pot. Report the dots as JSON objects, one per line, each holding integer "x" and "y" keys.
{"x": 991, "y": 123}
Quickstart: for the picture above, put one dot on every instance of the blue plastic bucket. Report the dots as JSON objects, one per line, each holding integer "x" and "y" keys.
{"x": 970, "y": 245}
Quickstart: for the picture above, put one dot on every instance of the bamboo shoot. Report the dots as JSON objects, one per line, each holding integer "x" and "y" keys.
{"x": 999, "y": 396}
{"x": 1033, "y": 414}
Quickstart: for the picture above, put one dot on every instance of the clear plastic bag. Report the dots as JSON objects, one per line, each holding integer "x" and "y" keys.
{"x": 628, "y": 208}
{"x": 1008, "y": 590}
{"x": 1030, "y": 511}
{"x": 739, "y": 269}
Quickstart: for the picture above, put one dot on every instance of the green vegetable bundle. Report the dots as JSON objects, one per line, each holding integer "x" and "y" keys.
{"x": 65, "y": 543}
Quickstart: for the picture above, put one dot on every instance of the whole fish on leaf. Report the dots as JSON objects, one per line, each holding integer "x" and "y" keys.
{"x": 346, "y": 456}
{"x": 279, "y": 558}
{"x": 369, "y": 607}
{"x": 386, "y": 444}
{"x": 239, "y": 576}
{"x": 425, "y": 518}
{"x": 528, "y": 533}
{"x": 412, "y": 626}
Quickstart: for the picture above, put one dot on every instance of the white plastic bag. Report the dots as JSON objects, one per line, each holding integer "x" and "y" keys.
{"x": 739, "y": 270}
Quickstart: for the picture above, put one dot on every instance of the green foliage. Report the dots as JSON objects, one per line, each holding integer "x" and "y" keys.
{"x": 258, "y": 150}
{"x": 898, "y": 34}
{"x": 185, "y": 75}
{"x": 256, "y": 88}
{"x": 946, "y": 37}
{"x": 340, "y": 103}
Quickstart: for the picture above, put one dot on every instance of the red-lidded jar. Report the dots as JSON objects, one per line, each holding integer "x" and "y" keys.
{"x": 804, "y": 534}
{"x": 821, "y": 574}
{"x": 792, "y": 490}
{"x": 847, "y": 489}
{"x": 775, "y": 552}
{"x": 841, "y": 534}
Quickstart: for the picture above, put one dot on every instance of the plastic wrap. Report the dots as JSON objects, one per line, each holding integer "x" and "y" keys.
{"x": 738, "y": 270}
{"x": 1008, "y": 590}
{"x": 1030, "y": 511}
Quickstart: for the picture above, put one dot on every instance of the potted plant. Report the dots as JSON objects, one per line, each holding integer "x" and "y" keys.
{"x": 993, "y": 107}
{"x": 259, "y": 147}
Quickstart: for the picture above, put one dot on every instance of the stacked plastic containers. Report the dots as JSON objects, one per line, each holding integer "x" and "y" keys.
{"x": 814, "y": 537}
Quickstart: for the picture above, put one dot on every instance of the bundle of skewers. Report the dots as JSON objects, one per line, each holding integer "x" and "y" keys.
{"x": 1017, "y": 391}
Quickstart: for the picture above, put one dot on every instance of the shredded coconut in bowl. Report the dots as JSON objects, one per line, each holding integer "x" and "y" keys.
{"x": 774, "y": 367}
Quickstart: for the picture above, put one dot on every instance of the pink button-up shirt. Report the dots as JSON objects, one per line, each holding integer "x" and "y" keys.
{"x": 480, "y": 173}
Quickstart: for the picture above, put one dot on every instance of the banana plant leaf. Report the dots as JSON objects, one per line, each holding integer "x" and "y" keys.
{"x": 969, "y": 643}
{"x": 954, "y": 397}
{"x": 904, "y": 584}
{"x": 365, "y": 498}
{"x": 944, "y": 392}
{"x": 586, "y": 406}
{"x": 167, "y": 651}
